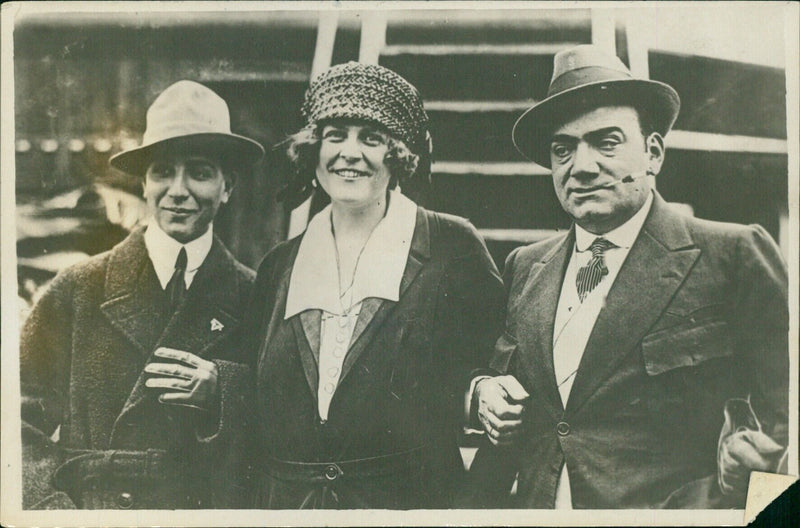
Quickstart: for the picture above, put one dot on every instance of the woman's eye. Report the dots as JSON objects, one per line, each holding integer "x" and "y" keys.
{"x": 373, "y": 139}
{"x": 333, "y": 135}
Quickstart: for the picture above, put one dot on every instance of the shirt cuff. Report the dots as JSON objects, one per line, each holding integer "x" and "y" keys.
{"x": 472, "y": 424}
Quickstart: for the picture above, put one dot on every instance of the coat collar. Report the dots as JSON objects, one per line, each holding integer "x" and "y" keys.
{"x": 539, "y": 296}
{"x": 133, "y": 304}
{"x": 373, "y": 310}
{"x": 662, "y": 256}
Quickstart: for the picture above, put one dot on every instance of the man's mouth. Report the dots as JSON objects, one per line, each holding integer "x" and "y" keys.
{"x": 179, "y": 210}
{"x": 589, "y": 190}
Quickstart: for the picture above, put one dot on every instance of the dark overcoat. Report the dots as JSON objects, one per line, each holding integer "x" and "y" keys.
{"x": 85, "y": 409}
{"x": 697, "y": 315}
{"x": 404, "y": 376}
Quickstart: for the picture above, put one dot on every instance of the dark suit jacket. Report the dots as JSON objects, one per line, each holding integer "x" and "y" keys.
{"x": 403, "y": 377}
{"x": 697, "y": 315}
{"x": 82, "y": 352}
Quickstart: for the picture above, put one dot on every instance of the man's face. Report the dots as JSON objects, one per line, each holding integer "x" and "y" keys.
{"x": 184, "y": 191}
{"x": 594, "y": 150}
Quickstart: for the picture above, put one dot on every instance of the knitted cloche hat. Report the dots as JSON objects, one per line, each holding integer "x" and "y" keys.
{"x": 372, "y": 93}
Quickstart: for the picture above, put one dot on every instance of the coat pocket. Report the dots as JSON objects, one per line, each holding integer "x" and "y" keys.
{"x": 686, "y": 345}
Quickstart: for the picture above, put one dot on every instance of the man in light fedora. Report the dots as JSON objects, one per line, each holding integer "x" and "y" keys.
{"x": 123, "y": 358}
{"x": 641, "y": 345}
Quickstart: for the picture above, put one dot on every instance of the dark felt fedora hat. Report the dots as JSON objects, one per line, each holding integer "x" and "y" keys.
{"x": 188, "y": 114}
{"x": 586, "y": 77}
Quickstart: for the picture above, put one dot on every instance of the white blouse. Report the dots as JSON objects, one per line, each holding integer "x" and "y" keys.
{"x": 314, "y": 283}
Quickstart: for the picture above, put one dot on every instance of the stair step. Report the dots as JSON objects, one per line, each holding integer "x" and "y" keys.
{"x": 547, "y": 49}
{"x": 475, "y": 77}
{"x": 510, "y": 202}
{"x": 479, "y": 106}
{"x": 484, "y": 25}
{"x": 489, "y": 168}
{"x": 474, "y": 136}
{"x": 724, "y": 97}
{"x": 523, "y": 236}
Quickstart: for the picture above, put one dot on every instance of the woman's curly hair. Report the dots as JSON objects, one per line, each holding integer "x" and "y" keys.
{"x": 303, "y": 153}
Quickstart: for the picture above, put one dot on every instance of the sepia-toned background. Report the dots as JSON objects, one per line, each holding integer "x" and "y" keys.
{"x": 84, "y": 81}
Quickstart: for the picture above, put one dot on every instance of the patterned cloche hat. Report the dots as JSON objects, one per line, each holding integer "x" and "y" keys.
{"x": 376, "y": 94}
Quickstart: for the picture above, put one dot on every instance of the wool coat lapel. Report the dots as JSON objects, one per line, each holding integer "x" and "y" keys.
{"x": 657, "y": 264}
{"x": 539, "y": 298}
{"x": 134, "y": 302}
{"x": 306, "y": 325}
{"x": 203, "y": 319}
{"x": 374, "y": 311}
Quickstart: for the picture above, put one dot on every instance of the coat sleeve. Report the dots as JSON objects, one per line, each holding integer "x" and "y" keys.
{"x": 232, "y": 441}
{"x": 493, "y": 469}
{"x": 45, "y": 353}
{"x": 761, "y": 329}
{"x": 471, "y": 314}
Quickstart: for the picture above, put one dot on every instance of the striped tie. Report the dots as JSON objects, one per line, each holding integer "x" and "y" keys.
{"x": 591, "y": 274}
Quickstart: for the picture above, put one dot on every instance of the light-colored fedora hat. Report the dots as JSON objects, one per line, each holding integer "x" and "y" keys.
{"x": 586, "y": 77}
{"x": 187, "y": 113}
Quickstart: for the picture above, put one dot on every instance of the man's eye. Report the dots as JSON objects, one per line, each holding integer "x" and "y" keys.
{"x": 201, "y": 171}
{"x": 161, "y": 171}
{"x": 608, "y": 144}
{"x": 559, "y": 150}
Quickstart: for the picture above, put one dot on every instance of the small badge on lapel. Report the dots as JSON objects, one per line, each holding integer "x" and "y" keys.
{"x": 216, "y": 326}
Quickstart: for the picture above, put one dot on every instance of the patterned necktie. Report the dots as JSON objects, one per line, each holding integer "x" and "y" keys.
{"x": 176, "y": 287}
{"x": 592, "y": 273}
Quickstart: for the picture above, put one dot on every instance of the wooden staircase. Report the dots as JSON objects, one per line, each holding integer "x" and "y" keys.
{"x": 477, "y": 73}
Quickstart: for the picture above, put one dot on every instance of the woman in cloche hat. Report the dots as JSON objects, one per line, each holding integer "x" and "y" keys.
{"x": 366, "y": 327}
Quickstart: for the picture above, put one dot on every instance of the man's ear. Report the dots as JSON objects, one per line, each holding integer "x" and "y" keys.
{"x": 230, "y": 178}
{"x": 655, "y": 153}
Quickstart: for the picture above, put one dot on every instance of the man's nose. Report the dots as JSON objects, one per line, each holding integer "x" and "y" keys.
{"x": 584, "y": 163}
{"x": 177, "y": 185}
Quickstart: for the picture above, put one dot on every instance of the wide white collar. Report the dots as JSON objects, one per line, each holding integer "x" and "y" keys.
{"x": 314, "y": 283}
{"x": 163, "y": 251}
{"x": 623, "y": 236}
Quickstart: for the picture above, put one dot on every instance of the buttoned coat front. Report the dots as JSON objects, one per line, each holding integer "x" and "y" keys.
{"x": 83, "y": 349}
{"x": 697, "y": 315}
{"x": 403, "y": 378}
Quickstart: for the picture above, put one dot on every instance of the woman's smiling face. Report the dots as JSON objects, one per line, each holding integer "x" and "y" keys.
{"x": 351, "y": 166}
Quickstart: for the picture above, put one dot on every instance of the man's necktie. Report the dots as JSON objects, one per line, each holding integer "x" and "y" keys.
{"x": 176, "y": 287}
{"x": 592, "y": 273}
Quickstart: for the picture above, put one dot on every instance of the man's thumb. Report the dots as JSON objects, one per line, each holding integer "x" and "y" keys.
{"x": 513, "y": 388}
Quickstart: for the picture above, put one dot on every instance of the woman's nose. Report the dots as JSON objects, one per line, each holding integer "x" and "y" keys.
{"x": 351, "y": 149}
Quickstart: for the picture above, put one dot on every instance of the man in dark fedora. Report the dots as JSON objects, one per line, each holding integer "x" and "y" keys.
{"x": 123, "y": 359}
{"x": 641, "y": 346}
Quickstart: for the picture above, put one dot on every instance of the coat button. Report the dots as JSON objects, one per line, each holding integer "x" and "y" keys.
{"x": 125, "y": 500}
{"x": 562, "y": 428}
{"x": 332, "y": 472}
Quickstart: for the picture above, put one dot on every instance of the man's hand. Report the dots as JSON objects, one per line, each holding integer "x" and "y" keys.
{"x": 186, "y": 379}
{"x": 500, "y": 407}
{"x": 742, "y": 452}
